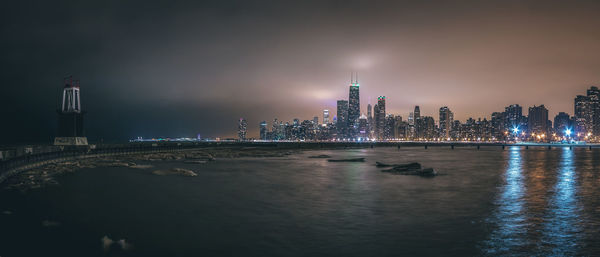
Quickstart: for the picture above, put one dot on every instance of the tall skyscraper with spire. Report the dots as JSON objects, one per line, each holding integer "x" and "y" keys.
{"x": 353, "y": 105}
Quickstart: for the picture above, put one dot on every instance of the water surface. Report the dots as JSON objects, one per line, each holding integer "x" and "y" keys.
{"x": 487, "y": 202}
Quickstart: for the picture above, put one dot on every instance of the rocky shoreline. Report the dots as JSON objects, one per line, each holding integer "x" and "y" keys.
{"x": 46, "y": 175}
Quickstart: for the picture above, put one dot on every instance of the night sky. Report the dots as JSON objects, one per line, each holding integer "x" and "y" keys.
{"x": 178, "y": 68}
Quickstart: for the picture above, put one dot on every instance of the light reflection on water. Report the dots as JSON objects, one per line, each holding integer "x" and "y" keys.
{"x": 510, "y": 214}
{"x": 537, "y": 211}
{"x": 562, "y": 228}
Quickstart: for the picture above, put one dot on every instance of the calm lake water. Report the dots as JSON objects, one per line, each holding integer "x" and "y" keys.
{"x": 486, "y": 202}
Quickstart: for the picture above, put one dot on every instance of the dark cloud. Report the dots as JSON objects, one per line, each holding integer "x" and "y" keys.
{"x": 176, "y": 68}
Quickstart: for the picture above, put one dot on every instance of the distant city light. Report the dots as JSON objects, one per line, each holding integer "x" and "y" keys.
{"x": 350, "y": 125}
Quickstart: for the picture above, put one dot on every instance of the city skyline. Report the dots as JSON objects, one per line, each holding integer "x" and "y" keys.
{"x": 472, "y": 109}
{"x": 510, "y": 125}
{"x": 182, "y": 69}
{"x": 583, "y": 121}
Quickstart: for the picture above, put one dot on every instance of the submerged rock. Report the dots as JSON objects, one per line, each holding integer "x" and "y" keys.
{"x": 141, "y": 166}
{"x": 413, "y": 170}
{"x": 381, "y": 164}
{"x": 427, "y": 172}
{"x": 195, "y": 162}
{"x": 119, "y": 164}
{"x": 175, "y": 171}
{"x": 320, "y": 156}
{"x": 347, "y": 160}
{"x": 401, "y": 167}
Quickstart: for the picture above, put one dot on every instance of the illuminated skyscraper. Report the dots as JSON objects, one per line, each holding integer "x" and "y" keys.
{"x": 275, "y": 131}
{"x": 538, "y": 120}
{"x": 375, "y": 122}
{"x": 342, "y": 119}
{"x": 425, "y": 128}
{"x": 263, "y": 130}
{"x": 353, "y": 107}
{"x": 411, "y": 129}
{"x": 284, "y": 130}
{"x": 446, "y": 118}
{"x": 388, "y": 130}
{"x": 400, "y": 128}
{"x": 413, "y": 119}
{"x": 562, "y": 122}
{"x": 498, "y": 126}
{"x": 417, "y": 112}
{"x": 242, "y": 128}
{"x": 594, "y": 94}
{"x": 583, "y": 114}
{"x": 363, "y": 127}
{"x": 380, "y": 117}
{"x": 325, "y": 116}
{"x": 514, "y": 117}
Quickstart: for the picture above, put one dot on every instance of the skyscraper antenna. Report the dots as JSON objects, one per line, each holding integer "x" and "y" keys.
{"x": 356, "y": 77}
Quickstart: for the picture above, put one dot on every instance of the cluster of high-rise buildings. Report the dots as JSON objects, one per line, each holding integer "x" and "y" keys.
{"x": 512, "y": 124}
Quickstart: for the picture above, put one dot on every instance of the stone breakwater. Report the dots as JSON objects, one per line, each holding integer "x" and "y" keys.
{"x": 43, "y": 174}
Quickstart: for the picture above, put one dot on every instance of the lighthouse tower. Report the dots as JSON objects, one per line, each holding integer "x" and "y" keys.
{"x": 70, "y": 116}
